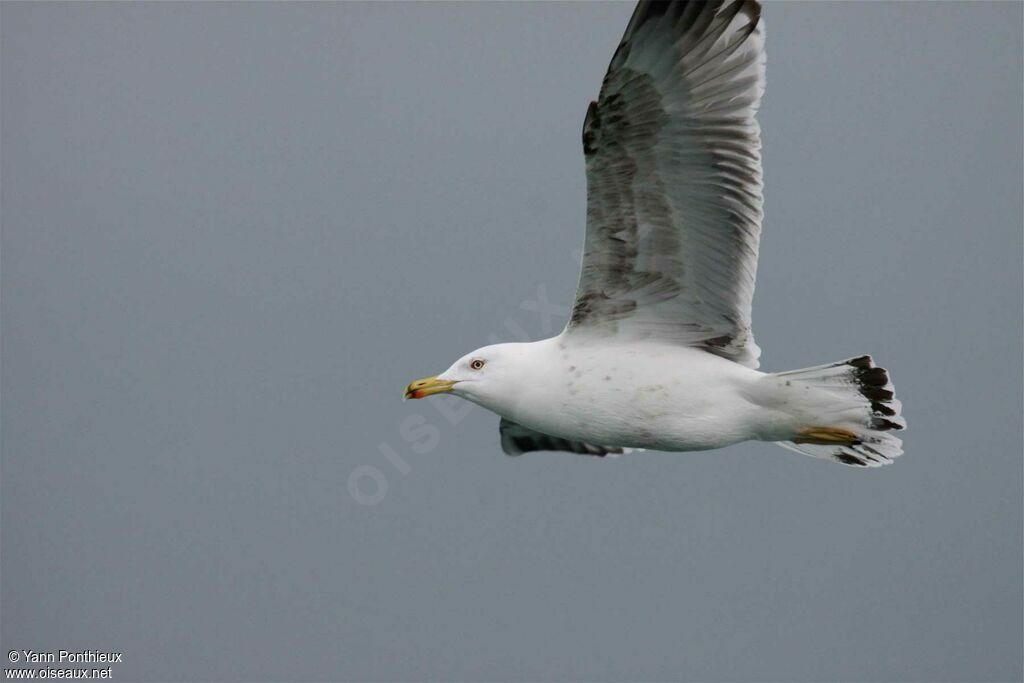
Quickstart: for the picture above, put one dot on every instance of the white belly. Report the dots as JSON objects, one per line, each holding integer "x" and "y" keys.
{"x": 643, "y": 396}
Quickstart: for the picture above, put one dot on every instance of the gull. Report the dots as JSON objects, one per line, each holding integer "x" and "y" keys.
{"x": 658, "y": 352}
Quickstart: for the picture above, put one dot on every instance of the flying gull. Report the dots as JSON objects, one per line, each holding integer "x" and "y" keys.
{"x": 658, "y": 351}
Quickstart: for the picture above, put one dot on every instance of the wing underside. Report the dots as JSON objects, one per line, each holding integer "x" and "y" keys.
{"x": 673, "y": 163}
{"x": 517, "y": 439}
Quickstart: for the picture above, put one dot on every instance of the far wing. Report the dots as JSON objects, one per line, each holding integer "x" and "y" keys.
{"x": 517, "y": 439}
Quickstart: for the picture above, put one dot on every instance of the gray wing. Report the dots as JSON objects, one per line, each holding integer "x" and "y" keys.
{"x": 517, "y": 439}
{"x": 674, "y": 180}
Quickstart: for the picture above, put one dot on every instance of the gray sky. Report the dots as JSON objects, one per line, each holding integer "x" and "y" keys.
{"x": 233, "y": 232}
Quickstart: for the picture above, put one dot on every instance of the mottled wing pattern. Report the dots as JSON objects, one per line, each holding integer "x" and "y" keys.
{"x": 517, "y": 439}
{"x": 674, "y": 180}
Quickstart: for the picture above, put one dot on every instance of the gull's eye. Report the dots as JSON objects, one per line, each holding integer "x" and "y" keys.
{"x": 476, "y": 364}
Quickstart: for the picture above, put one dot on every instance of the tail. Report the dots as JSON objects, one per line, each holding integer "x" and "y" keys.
{"x": 855, "y": 413}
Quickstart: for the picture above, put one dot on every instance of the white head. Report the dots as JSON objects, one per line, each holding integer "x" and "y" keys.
{"x": 491, "y": 376}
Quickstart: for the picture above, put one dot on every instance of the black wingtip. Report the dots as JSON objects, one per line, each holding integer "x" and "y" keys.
{"x": 591, "y": 125}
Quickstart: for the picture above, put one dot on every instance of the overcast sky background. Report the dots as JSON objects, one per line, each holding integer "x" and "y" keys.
{"x": 233, "y": 232}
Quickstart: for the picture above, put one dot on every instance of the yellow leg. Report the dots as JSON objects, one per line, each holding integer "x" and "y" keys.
{"x": 826, "y": 436}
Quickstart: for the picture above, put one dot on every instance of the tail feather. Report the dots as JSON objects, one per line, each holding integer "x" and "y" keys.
{"x": 857, "y": 412}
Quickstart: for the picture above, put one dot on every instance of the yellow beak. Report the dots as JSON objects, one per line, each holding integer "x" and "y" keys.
{"x": 428, "y": 386}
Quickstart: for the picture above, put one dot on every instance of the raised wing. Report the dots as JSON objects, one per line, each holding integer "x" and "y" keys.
{"x": 674, "y": 180}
